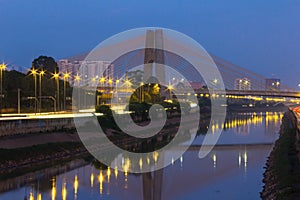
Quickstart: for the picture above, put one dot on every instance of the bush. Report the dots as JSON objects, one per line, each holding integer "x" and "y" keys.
{"x": 105, "y": 109}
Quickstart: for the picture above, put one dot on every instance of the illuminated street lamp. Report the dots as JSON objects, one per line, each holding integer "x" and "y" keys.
{"x": 94, "y": 81}
{"x": 2, "y": 67}
{"x": 170, "y": 88}
{"x": 66, "y": 76}
{"x": 102, "y": 80}
{"x": 128, "y": 84}
{"x": 78, "y": 79}
{"x": 42, "y": 72}
{"x": 142, "y": 91}
{"x": 34, "y": 73}
{"x": 117, "y": 83}
{"x": 56, "y": 77}
{"x": 215, "y": 81}
{"x": 110, "y": 82}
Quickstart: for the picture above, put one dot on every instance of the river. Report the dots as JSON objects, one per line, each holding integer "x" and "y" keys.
{"x": 232, "y": 170}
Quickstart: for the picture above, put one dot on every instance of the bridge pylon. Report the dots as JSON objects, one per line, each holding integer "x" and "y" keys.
{"x": 154, "y": 58}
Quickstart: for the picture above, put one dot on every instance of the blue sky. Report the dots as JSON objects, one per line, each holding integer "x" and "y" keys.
{"x": 263, "y": 36}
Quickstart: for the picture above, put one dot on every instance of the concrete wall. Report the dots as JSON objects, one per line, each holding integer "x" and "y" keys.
{"x": 25, "y": 126}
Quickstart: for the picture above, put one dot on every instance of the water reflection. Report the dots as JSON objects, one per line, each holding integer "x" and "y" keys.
{"x": 241, "y": 122}
{"x": 188, "y": 174}
{"x": 92, "y": 179}
{"x": 228, "y": 164}
{"x": 64, "y": 191}
{"x": 246, "y": 128}
{"x": 53, "y": 190}
{"x": 75, "y": 186}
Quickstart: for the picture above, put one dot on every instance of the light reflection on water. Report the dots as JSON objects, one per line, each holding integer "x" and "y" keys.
{"x": 247, "y": 128}
{"x": 233, "y": 170}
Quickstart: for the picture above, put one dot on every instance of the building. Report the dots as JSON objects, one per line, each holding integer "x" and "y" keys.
{"x": 196, "y": 85}
{"x": 89, "y": 71}
{"x": 242, "y": 84}
{"x": 273, "y": 84}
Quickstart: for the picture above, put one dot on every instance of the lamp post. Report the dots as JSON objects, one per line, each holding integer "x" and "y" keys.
{"x": 56, "y": 77}
{"x": 42, "y": 72}
{"x": 127, "y": 84}
{"x": 2, "y": 67}
{"x": 34, "y": 73}
{"x": 141, "y": 92}
{"x": 170, "y": 88}
{"x": 110, "y": 82}
{"x": 66, "y": 76}
{"x": 102, "y": 80}
{"x": 94, "y": 82}
{"x": 117, "y": 82}
{"x": 77, "y": 79}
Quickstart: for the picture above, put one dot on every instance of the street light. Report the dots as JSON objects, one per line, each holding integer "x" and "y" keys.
{"x": 117, "y": 82}
{"x": 102, "y": 80}
{"x": 215, "y": 81}
{"x": 56, "y": 77}
{"x": 94, "y": 81}
{"x": 170, "y": 88}
{"x": 77, "y": 79}
{"x": 42, "y": 72}
{"x": 128, "y": 84}
{"x": 141, "y": 92}
{"x": 66, "y": 76}
{"x": 110, "y": 82}
{"x": 2, "y": 67}
{"x": 34, "y": 73}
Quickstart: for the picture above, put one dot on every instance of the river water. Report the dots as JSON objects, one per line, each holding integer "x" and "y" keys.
{"x": 232, "y": 170}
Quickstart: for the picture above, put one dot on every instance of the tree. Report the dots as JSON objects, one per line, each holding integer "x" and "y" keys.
{"x": 45, "y": 63}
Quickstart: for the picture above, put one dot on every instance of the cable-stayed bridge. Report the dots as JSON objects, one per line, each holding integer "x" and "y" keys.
{"x": 237, "y": 80}
{"x": 230, "y": 73}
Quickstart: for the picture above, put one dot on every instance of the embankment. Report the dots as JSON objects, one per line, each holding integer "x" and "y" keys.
{"x": 25, "y": 126}
{"x": 282, "y": 175}
{"x": 14, "y": 162}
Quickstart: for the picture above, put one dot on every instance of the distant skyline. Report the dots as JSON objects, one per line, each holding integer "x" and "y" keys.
{"x": 262, "y": 36}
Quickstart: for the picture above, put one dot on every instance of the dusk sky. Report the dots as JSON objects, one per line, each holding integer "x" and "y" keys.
{"x": 262, "y": 36}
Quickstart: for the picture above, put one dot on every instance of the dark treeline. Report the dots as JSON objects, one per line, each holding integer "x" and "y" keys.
{"x": 14, "y": 81}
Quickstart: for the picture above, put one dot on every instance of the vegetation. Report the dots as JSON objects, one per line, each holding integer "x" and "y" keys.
{"x": 14, "y": 162}
{"x": 14, "y": 81}
{"x": 105, "y": 109}
{"x": 45, "y": 63}
{"x": 282, "y": 177}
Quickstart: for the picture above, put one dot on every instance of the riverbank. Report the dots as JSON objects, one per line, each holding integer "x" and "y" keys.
{"x": 282, "y": 175}
{"x": 14, "y": 162}
{"x": 20, "y": 154}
